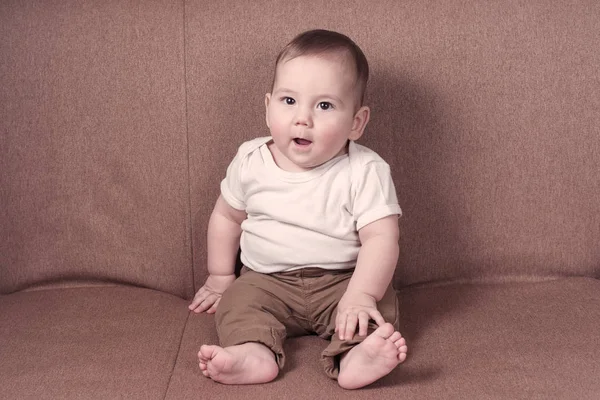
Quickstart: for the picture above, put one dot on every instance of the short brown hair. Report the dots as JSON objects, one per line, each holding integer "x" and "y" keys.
{"x": 320, "y": 41}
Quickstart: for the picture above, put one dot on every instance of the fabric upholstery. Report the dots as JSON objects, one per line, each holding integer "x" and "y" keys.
{"x": 89, "y": 343}
{"x": 509, "y": 341}
{"x": 93, "y": 162}
{"x": 118, "y": 120}
{"x": 488, "y": 113}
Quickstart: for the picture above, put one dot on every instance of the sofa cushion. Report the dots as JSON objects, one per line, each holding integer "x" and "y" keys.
{"x": 516, "y": 340}
{"x": 89, "y": 343}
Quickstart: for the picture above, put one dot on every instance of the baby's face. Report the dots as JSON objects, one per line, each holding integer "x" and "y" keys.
{"x": 312, "y": 111}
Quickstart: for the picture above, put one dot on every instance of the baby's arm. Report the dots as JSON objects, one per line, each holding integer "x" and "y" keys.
{"x": 374, "y": 270}
{"x": 224, "y": 230}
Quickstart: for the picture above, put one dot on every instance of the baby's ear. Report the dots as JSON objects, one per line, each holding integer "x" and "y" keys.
{"x": 267, "y": 101}
{"x": 361, "y": 118}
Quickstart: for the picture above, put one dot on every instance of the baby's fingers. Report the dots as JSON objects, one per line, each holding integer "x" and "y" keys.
{"x": 198, "y": 299}
{"x": 347, "y": 326}
{"x": 340, "y": 325}
{"x": 213, "y": 309}
{"x": 203, "y": 302}
{"x": 363, "y": 323}
{"x": 377, "y": 317}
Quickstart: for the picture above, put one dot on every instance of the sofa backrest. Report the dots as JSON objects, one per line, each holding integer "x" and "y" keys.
{"x": 94, "y": 166}
{"x": 117, "y": 123}
{"x": 487, "y": 111}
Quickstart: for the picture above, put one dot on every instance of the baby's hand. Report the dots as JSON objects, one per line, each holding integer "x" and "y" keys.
{"x": 356, "y": 308}
{"x": 209, "y": 295}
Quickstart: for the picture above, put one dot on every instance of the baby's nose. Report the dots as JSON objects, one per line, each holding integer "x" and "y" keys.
{"x": 303, "y": 118}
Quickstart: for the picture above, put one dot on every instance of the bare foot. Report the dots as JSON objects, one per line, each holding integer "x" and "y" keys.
{"x": 372, "y": 359}
{"x": 243, "y": 364}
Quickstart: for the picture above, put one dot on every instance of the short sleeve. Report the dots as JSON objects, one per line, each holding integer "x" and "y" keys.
{"x": 375, "y": 194}
{"x": 231, "y": 186}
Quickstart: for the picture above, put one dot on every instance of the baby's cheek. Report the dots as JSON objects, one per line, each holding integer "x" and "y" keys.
{"x": 276, "y": 129}
{"x": 280, "y": 134}
{"x": 334, "y": 134}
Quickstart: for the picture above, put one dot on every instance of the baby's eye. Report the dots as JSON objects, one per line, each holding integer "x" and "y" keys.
{"x": 289, "y": 101}
{"x": 325, "y": 105}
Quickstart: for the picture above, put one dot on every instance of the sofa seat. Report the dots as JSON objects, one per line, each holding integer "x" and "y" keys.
{"x": 512, "y": 340}
{"x": 95, "y": 342}
{"x": 527, "y": 340}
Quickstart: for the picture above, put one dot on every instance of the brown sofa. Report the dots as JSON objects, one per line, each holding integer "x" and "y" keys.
{"x": 118, "y": 119}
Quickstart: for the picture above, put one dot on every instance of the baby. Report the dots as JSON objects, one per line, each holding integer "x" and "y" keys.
{"x": 315, "y": 216}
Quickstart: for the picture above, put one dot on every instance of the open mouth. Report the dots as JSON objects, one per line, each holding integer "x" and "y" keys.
{"x": 302, "y": 142}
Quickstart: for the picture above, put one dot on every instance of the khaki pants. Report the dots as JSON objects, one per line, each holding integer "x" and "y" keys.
{"x": 268, "y": 308}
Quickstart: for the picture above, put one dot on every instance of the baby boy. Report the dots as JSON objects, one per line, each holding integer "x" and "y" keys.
{"x": 315, "y": 216}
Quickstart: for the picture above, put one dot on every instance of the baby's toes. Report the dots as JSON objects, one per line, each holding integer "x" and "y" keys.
{"x": 401, "y": 357}
{"x": 205, "y": 353}
{"x": 400, "y": 342}
{"x": 402, "y": 350}
{"x": 204, "y": 368}
{"x": 395, "y": 337}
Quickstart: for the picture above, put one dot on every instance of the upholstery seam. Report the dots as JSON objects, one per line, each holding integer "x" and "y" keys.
{"x": 189, "y": 190}
{"x": 187, "y": 320}
{"x": 190, "y": 228}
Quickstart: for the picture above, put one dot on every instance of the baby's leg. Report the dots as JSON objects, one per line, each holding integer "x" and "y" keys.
{"x": 363, "y": 360}
{"x": 251, "y": 333}
{"x": 242, "y": 364}
{"x": 373, "y": 358}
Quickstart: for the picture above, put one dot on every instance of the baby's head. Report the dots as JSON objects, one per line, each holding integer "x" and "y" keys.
{"x": 316, "y": 103}
{"x": 320, "y": 42}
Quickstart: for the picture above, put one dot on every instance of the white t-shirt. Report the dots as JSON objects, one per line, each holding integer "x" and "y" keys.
{"x": 306, "y": 219}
